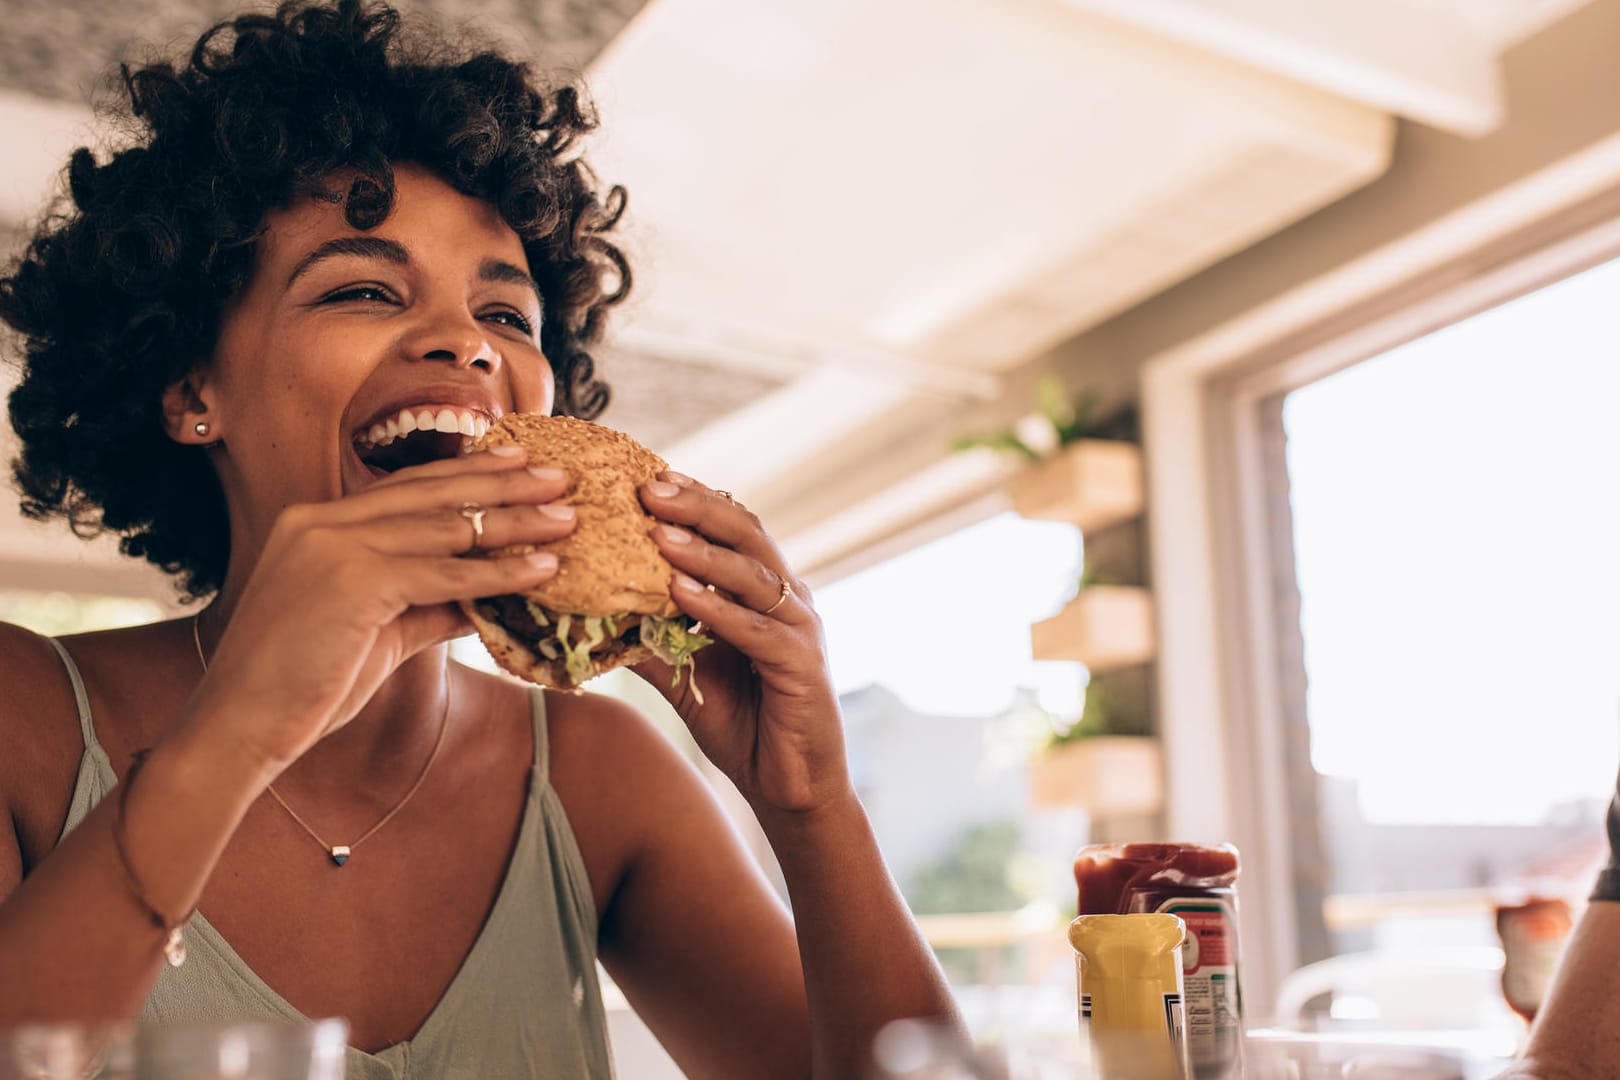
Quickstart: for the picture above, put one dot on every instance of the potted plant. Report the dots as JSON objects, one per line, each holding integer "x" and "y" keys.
{"x": 1086, "y": 465}
{"x": 1105, "y": 763}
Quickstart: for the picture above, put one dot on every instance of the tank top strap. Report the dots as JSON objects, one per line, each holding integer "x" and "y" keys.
{"x": 80, "y": 698}
{"x": 542, "y": 752}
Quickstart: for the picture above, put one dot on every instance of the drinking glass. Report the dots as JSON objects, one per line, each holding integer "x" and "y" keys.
{"x": 243, "y": 1051}
{"x": 1276, "y": 1055}
{"x": 923, "y": 1050}
{"x": 67, "y": 1052}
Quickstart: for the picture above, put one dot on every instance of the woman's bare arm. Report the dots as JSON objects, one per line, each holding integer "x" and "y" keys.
{"x": 732, "y": 985}
{"x": 1577, "y": 1031}
{"x": 75, "y": 943}
{"x": 768, "y": 719}
{"x": 691, "y": 932}
{"x": 865, "y": 960}
{"x": 343, "y": 593}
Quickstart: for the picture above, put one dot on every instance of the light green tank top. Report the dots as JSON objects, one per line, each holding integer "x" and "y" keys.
{"x": 526, "y": 1002}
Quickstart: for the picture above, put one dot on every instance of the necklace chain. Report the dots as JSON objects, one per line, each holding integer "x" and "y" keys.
{"x": 339, "y": 853}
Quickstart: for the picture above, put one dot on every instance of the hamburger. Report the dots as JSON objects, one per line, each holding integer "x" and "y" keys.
{"x": 609, "y": 604}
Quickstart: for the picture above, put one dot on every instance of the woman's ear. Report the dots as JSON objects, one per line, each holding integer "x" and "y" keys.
{"x": 185, "y": 414}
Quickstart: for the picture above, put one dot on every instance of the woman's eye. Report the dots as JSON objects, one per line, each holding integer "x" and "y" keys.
{"x": 512, "y": 319}
{"x": 375, "y": 293}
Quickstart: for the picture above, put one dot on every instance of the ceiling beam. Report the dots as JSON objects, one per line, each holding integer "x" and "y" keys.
{"x": 753, "y": 450}
{"x": 791, "y": 355}
{"x": 1421, "y": 61}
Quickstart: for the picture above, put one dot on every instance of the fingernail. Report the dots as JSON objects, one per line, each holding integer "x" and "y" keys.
{"x": 506, "y": 450}
{"x": 558, "y": 511}
{"x": 686, "y": 583}
{"x": 663, "y": 490}
{"x": 541, "y": 560}
{"x": 677, "y": 478}
{"x": 675, "y": 534}
{"x": 546, "y": 472}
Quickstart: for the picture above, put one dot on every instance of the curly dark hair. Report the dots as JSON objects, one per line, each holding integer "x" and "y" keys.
{"x": 120, "y": 293}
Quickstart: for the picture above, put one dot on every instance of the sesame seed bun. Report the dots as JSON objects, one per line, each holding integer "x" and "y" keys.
{"x": 609, "y": 565}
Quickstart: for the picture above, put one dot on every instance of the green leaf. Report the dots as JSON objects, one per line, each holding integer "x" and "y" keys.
{"x": 1081, "y": 424}
{"x": 1003, "y": 442}
{"x": 673, "y": 642}
{"x": 1053, "y": 404}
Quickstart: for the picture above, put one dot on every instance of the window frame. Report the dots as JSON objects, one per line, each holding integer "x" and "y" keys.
{"x": 1231, "y": 658}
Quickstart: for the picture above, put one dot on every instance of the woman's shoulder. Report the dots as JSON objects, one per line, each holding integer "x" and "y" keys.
{"x": 37, "y": 685}
{"x": 39, "y": 714}
{"x": 39, "y": 728}
{"x": 618, "y": 776}
{"x": 608, "y": 743}
{"x": 22, "y": 650}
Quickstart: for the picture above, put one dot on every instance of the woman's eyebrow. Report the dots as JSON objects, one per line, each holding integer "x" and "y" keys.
{"x": 368, "y": 247}
{"x": 497, "y": 270}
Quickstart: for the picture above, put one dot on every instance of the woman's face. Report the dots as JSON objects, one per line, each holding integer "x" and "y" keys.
{"x": 348, "y": 346}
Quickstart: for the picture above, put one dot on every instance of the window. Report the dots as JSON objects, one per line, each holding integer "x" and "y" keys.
{"x": 943, "y": 707}
{"x": 1455, "y": 526}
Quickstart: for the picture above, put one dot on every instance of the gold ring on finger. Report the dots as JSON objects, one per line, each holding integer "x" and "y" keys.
{"x": 474, "y": 513}
{"x": 728, "y": 496}
{"x": 787, "y": 591}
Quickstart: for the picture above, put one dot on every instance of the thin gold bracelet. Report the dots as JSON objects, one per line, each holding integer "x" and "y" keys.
{"x": 174, "y": 945}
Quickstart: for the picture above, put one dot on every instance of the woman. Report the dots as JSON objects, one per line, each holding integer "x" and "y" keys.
{"x": 323, "y": 222}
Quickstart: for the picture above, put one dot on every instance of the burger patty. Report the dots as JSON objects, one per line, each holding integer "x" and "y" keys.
{"x": 512, "y": 612}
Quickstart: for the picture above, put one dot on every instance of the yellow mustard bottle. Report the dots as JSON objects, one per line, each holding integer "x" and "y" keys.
{"x": 1128, "y": 970}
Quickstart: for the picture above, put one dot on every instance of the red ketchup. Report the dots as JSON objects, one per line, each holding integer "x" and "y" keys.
{"x": 1199, "y": 885}
{"x": 1533, "y": 935}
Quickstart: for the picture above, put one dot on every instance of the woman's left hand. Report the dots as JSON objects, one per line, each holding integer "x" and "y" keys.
{"x": 769, "y": 715}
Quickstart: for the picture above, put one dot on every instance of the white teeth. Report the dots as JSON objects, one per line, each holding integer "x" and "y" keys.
{"x": 451, "y": 421}
{"x": 466, "y": 444}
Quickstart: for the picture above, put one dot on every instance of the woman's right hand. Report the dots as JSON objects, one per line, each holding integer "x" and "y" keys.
{"x": 345, "y": 591}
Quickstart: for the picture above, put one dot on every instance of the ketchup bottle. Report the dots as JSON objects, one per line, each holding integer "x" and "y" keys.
{"x": 1197, "y": 884}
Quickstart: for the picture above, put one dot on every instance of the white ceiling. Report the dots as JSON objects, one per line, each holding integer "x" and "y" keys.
{"x": 894, "y": 195}
{"x": 877, "y": 213}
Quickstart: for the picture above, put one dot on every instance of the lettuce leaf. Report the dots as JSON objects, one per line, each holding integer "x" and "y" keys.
{"x": 673, "y": 641}
{"x": 576, "y": 655}
{"x": 573, "y": 637}
{"x": 537, "y": 613}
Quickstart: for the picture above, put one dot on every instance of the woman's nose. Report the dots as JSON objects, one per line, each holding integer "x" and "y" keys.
{"x": 462, "y": 343}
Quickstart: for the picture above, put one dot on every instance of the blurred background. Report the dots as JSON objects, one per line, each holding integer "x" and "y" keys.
{"x": 1195, "y": 417}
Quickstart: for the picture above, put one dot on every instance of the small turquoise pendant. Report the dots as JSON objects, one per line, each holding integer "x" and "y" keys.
{"x": 340, "y": 854}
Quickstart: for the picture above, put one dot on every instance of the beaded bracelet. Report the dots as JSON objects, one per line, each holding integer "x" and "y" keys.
{"x": 174, "y": 946}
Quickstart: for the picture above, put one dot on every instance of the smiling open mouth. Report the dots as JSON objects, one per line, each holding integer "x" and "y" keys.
{"x": 416, "y": 436}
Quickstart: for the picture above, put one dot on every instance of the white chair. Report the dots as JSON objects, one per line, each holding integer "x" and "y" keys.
{"x": 1447, "y": 998}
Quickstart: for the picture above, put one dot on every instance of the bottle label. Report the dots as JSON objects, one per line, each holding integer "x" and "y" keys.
{"x": 1175, "y": 1016}
{"x": 1214, "y": 1012}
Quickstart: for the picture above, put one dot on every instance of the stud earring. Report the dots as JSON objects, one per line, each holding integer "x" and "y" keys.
{"x": 201, "y": 428}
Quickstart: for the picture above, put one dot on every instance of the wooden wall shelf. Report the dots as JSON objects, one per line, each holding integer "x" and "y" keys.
{"x": 1105, "y": 775}
{"x": 1105, "y": 627}
{"x": 1093, "y": 483}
